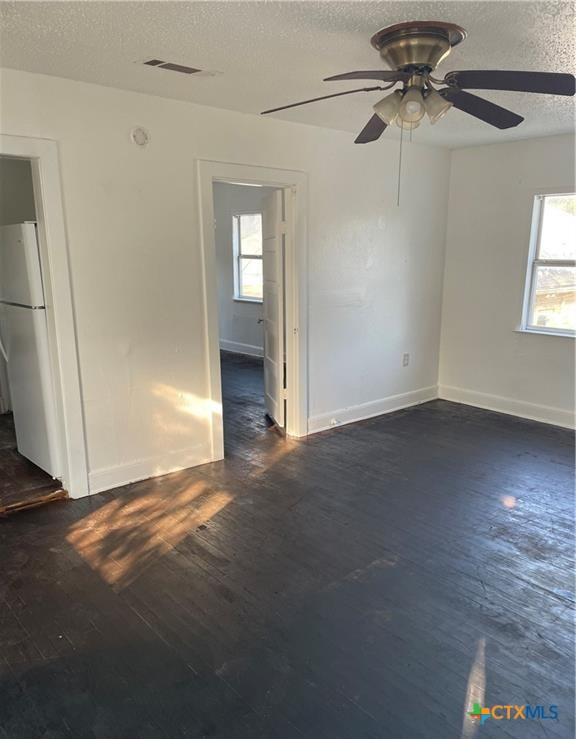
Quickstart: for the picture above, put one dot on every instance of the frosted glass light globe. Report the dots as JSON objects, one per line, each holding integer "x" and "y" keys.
{"x": 412, "y": 106}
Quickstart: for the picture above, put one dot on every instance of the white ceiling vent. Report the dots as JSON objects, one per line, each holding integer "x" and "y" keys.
{"x": 174, "y": 67}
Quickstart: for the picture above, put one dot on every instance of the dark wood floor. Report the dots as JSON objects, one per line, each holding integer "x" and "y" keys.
{"x": 20, "y": 480}
{"x": 371, "y": 581}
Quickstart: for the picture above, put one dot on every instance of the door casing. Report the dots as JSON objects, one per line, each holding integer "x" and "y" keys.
{"x": 296, "y": 289}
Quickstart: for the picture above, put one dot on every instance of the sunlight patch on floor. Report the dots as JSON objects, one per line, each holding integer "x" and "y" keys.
{"x": 475, "y": 690}
{"x": 127, "y": 535}
{"x": 265, "y": 459}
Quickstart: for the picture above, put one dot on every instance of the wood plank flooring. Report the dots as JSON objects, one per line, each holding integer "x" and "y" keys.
{"x": 370, "y": 581}
{"x": 21, "y": 482}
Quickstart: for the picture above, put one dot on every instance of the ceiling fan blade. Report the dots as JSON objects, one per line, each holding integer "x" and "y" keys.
{"x": 323, "y": 97}
{"x": 375, "y": 74}
{"x": 480, "y": 108}
{"x": 371, "y": 131}
{"x": 551, "y": 83}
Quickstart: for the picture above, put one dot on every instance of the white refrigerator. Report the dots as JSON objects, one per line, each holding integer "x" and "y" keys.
{"x": 24, "y": 346}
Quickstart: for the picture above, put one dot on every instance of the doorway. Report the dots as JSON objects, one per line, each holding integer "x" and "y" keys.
{"x": 40, "y": 382}
{"x": 255, "y": 292}
{"x": 30, "y": 456}
{"x": 250, "y": 243}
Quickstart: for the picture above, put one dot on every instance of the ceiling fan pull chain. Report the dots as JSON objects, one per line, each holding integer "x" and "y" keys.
{"x": 400, "y": 166}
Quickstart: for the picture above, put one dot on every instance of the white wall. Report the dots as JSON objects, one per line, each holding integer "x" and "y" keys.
{"x": 16, "y": 191}
{"x": 239, "y": 327}
{"x": 484, "y": 360}
{"x": 375, "y": 270}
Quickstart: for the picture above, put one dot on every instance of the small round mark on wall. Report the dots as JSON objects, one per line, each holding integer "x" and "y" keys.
{"x": 140, "y": 136}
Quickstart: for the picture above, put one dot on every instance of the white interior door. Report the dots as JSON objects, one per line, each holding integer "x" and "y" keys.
{"x": 5, "y": 402}
{"x": 273, "y": 245}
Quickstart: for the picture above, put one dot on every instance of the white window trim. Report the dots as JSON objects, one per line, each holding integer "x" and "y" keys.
{"x": 236, "y": 240}
{"x": 534, "y": 262}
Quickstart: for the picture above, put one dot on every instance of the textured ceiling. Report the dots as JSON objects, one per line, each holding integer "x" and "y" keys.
{"x": 273, "y": 53}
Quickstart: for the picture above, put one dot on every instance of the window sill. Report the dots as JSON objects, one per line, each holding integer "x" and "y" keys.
{"x": 538, "y": 332}
{"x": 248, "y": 300}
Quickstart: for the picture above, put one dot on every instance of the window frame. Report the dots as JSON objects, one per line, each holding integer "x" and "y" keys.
{"x": 238, "y": 256}
{"x": 534, "y": 262}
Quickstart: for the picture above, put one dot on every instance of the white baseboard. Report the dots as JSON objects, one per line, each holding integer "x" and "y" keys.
{"x": 142, "y": 469}
{"x": 238, "y": 348}
{"x": 369, "y": 410}
{"x": 532, "y": 411}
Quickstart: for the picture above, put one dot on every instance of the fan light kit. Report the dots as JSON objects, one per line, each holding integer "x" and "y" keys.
{"x": 412, "y": 51}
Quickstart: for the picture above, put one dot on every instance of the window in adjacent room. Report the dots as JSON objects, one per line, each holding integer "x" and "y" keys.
{"x": 550, "y": 295}
{"x": 247, "y": 247}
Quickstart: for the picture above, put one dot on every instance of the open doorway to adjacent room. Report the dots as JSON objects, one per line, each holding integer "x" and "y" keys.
{"x": 251, "y": 226}
{"x": 255, "y": 283}
{"x": 252, "y": 229}
{"x": 43, "y": 435}
{"x": 30, "y": 453}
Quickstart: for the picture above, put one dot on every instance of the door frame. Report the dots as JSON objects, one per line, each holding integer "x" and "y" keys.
{"x": 296, "y": 289}
{"x": 62, "y": 339}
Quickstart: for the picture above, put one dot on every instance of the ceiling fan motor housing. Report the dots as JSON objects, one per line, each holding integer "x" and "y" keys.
{"x": 418, "y": 45}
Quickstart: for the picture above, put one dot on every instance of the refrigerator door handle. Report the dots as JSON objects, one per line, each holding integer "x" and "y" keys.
{"x": 3, "y": 351}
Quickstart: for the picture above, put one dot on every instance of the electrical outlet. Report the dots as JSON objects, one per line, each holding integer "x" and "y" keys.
{"x": 405, "y": 360}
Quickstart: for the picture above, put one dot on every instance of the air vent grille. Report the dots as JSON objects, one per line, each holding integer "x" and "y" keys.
{"x": 171, "y": 66}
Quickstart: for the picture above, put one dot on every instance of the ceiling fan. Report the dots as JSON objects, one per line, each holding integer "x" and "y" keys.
{"x": 412, "y": 51}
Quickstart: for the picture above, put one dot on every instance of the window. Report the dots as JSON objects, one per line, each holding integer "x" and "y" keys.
{"x": 550, "y": 296}
{"x": 247, "y": 245}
